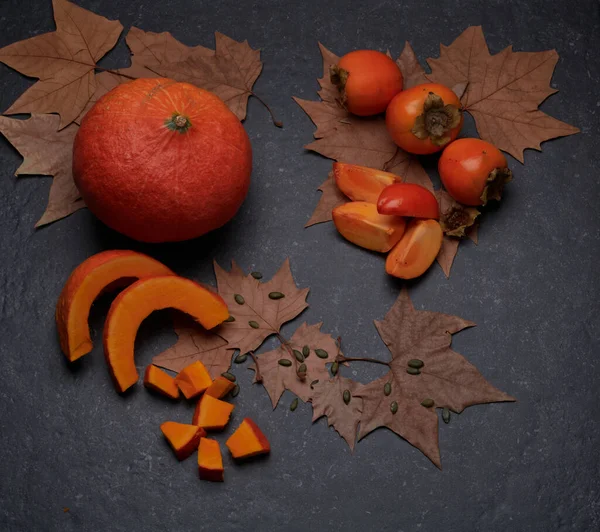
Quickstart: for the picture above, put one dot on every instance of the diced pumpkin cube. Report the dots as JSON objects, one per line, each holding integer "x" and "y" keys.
{"x": 183, "y": 438}
{"x": 210, "y": 461}
{"x": 160, "y": 381}
{"x": 212, "y": 413}
{"x": 193, "y": 380}
{"x": 220, "y": 387}
{"x": 248, "y": 440}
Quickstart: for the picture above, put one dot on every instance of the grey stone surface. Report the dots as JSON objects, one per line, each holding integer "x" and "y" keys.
{"x": 68, "y": 440}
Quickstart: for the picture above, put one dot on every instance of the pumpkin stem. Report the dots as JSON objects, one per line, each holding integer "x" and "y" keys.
{"x": 179, "y": 123}
{"x": 437, "y": 119}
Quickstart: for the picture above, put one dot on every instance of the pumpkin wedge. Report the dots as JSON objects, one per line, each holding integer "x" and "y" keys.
{"x": 137, "y": 302}
{"x": 248, "y": 440}
{"x": 160, "y": 381}
{"x": 93, "y": 276}
{"x": 182, "y": 438}
{"x": 220, "y": 388}
{"x": 210, "y": 461}
{"x": 211, "y": 413}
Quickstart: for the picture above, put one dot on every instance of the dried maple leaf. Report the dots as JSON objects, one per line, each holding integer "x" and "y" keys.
{"x": 330, "y": 199}
{"x": 64, "y": 61}
{"x": 411, "y": 69}
{"x": 503, "y": 91}
{"x": 46, "y": 151}
{"x": 446, "y": 377}
{"x": 276, "y": 377}
{"x": 257, "y": 315}
{"x": 230, "y": 72}
{"x": 196, "y": 343}
{"x": 328, "y": 400}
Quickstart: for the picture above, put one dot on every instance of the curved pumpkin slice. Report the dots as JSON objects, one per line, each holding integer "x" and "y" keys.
{"x": 137, "y": 302}
{"x": 87, "y": 281}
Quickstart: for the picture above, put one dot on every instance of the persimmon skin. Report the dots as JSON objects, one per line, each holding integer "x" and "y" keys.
{"x": 416, "y": 251}
{"x": 404, "y": 109}
{"x": 373, "y": 80}
{"x": 464, "y": 168}
{"x": 408, "y": 199}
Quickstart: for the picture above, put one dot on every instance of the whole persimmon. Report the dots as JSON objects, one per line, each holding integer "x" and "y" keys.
{"x": 161, "y": 161}
{"x": 424, "y": 118}
{"x": 367, "y": 81}
{"x": 473, "y": 171}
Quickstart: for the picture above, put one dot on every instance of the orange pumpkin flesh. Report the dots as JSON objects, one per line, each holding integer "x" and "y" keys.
{"x": 417, "y": 250}
{"x": 137, "y": 302}
{"x": 160, "y": 381}
{"x": 193, "y": 379}
{"x": 210, "y": 461}
{"x": 248, "y": 440}
{"x": 87, "y": 281}
{"x": 162, "y": 161}
{"x": 220, "y": 387}
{"x": 212, "y": 413}
{"x": 182, "y": 438}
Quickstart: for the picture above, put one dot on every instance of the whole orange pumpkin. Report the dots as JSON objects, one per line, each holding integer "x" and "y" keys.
{"x": 161, "y": 161}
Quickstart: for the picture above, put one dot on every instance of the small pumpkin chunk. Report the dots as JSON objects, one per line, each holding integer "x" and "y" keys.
{"x": 193, "y": 380}
{"x": 160, "y": 381}
{"x": 212, "y": 413}
{"x": 210, "y": 461}
{"x": 248, "y": 440}
{"x": 182, "y": 438}
{"x": 220, "y": 388}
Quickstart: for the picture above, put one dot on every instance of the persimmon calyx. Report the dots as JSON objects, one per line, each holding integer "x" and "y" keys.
{"x": 456, "y": 220}
{"x": 495, "y": 184}
{"x": 436, "y": 120}
{"x": 339, "y": 77}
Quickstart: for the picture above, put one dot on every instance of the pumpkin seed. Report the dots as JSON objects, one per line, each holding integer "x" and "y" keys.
{"x": 299, "y": 356}
{"x": 285, "y": 362}
{"x": 253, "y": 324}
{"x": 387, "y": 389}
{"x": 256, "y": 275}
{"x": 239, "y": 299}
{"x": 294, "y": 404}
{"x": 240, "y": 359}
{"x": 313, "y": 383}
{"x": 427, "y": 403}
{"x": 416, "y": 363}
{"x": 228, "y": 376}
{"x": 305, "y": 351}
{"x": 446, "y": 415}
{"x": 230, "y": 319}
{"x": 235, "y": 391}
{"x": 321, "y": 353}
{"x": 413, "y": 371}
{"x": 346, "y": 396}
{"x": 334, "y": 368}
{"x": 276, "y": 295}
{"x": 301, "y": 371}
{"x": 394, "y": 407}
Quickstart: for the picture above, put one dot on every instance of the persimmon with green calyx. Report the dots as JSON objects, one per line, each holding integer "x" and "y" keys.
{"x": 408, "y": 199}
{"x": 210, "y": 461}
{"x": 93, "y": 276}
{"x": 367, "y": 81}
{"x": 160, "y": 381}
{"x": 473, "y": 171}
{"x": 415, "y": 253}
{"x": 424, "y": 118}
{"x": 360, "y": 223}
{"x": 361, "y": 183}
{"x": 160, "y": 161}
{"x": 212, "y": 413}
{"x": 247, "y": 441}
{"x": 183, "y": 439}
{"x": 137, "y": 302}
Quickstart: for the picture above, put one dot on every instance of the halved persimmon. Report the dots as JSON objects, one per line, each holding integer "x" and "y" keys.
{"x": 417, "y": 250}
{"x": 361, "y": 183}
{"x": 408, "y": 199}
{"x": 137, "y": 302}
{"x": 86, "y": 282}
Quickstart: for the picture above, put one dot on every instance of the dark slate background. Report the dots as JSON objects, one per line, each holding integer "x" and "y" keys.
{"x": 67, "y": 440}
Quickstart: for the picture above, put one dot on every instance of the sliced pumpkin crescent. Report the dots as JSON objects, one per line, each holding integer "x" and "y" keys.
{"x": 137, "y": 302}
{"x": 85, "y": 283}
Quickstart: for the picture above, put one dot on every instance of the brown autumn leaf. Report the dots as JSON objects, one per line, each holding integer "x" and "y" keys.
{"x": 64, "y": 61}
{"x": 330, "y": 199}
{"x": 328, "y": 400}
{"x": 266, "y": 314}
{"x": 277, "y": 378}
{"x": 195, "y": 343}
{"x": 351, "y": 139}
{"x": 503, "y": 91}
{"x": 46, "y": 151}
{"x": 411, "y": 69}
{"x": 230, "y": 72}
{"x": 446, "y": 377}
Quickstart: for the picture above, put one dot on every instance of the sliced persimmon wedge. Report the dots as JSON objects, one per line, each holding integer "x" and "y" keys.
{"x": 85, "y": 283}
{"x": 361, "y": 183}
{"x": 137, "y": 302}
